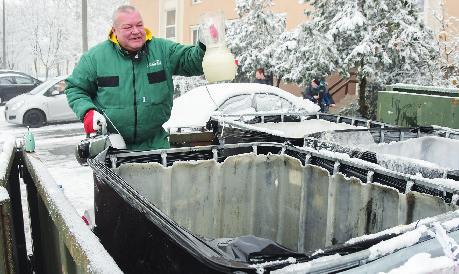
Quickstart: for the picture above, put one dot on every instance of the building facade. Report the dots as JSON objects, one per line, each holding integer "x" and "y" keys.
{"x": 437, "y": 13}
{"x": 179, "y": 19}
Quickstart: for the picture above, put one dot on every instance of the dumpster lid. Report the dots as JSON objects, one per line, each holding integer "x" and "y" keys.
{"x": 427, "y": 90}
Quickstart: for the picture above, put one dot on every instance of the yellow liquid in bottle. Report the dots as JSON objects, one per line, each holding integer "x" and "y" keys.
{"x": 218, "y": 64}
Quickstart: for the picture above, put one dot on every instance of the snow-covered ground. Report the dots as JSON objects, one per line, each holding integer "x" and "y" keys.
{"x": 55, "y": 145}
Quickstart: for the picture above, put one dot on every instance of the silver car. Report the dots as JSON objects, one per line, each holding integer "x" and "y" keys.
{"x": 44, "y": 104}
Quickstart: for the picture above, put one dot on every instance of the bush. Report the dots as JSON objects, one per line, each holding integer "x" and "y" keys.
{"x": 184, "y": 84}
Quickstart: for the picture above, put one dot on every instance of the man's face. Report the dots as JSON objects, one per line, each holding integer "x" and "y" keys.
{"x": 259, "y": 75}
{"x": 129, "y": 30}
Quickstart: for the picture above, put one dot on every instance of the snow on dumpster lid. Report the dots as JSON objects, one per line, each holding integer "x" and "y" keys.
{"x": 297, "y": 129}
{"x": 428, "y": 90}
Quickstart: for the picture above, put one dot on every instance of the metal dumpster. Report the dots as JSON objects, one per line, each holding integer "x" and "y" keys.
{"x": 410, "y": 105}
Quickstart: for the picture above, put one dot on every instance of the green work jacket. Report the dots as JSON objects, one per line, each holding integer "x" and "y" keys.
{"x": 135, "y": 92}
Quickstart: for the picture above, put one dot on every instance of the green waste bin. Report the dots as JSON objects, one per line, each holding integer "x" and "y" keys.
{"x": 411, "y": 105}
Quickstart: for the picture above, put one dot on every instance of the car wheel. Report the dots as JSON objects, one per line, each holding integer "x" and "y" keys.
{"x": 34, "y": 118}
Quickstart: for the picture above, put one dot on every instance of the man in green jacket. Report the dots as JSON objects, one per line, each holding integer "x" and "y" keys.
{"x": 128, "y": 79}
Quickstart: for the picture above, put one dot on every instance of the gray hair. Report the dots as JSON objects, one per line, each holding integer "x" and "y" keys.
{"x": 120, "y": 9}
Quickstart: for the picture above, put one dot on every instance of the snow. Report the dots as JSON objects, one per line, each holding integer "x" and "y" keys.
{"x": 317, "y": 252}
{"x": 305, "y": 267}
{"x": 424, "y": 88}
{"x": 300, "y": 129}
{"x": 5, "y": 152}
{"x": 228, "y": 121}
{"x": 357, "y": 139}
{"x": 260, "y": 267}
{"x": 393, "y": 230}
{"x": 424, "y": 263}
{"x": 430, "y": 156}
{"x": 76, "y": 180}
{"x": 389, "y": 246}
{"x": 441, "y": 152}
{"x": 451, "y": 224}
{"x": 49, "y": 32}
{"x": 439, "y": 182}
{"x": 4, "y": 196}
{"x": 294, "y": 269}
{"x": 251, "y": 36}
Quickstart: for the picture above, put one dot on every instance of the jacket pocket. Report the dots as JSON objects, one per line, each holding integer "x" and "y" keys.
{"x": 158, "y": 91}
{"x": 156, "y": 77}
{"x": 108, "y": 81}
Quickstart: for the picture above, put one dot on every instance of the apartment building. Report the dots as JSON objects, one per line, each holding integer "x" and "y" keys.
{"x": 179, "y": 19}
{"x": 440, "y": 12}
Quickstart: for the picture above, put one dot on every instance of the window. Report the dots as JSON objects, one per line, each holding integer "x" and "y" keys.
{"x": 6, "y": 80}
{"x": 170, "y": 24}
{"x": 194, "y": 35}
{"x": 195, "y": 1}
{"x": 270, "y": 102}
{"x": 237, "y": 104}
{"x": 23, "y": 81}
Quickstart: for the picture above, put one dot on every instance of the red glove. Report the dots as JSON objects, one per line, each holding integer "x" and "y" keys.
{"x": 93, "y": 121}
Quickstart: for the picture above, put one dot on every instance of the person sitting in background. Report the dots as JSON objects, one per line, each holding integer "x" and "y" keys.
{"x": 317, "y": 92}
{"x": 312, "y": 91}
{"x": 325, "y": 99}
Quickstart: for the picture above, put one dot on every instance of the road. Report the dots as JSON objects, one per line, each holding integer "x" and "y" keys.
{"x": 55, "y": 144}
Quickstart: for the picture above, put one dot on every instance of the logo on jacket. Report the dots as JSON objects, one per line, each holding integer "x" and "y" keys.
{"x": 154, "y": 64}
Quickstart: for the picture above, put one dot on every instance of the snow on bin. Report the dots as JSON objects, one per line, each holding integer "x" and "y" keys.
{"x": 275, "y": 127}
{"x": 430, "y": 151}
{"x": 248, "y": 212}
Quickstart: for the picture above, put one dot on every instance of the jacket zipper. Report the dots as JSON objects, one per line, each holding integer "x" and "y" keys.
{"x": 135, "y": 103}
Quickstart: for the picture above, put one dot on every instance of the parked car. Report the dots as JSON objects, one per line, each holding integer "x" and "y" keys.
{"x": 44, "y": 104}
{"x": 13, "y": 83}
{"x": 194, "y": 108}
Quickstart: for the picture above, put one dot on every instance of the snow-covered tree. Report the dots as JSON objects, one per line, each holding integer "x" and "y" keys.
{"x": 251, "y": 35}
{"x": 100, "y": 19}
{"x": 17, "y": 45}
{"x": 48, "y": 33}
{"x": 303, "y": 54}
{"x": 184, "y": 84}
{"x": 43, "y": 37}
{"x": 382, "y": 40}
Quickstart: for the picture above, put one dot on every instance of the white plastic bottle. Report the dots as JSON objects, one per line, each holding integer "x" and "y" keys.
{"x": 218, "y": 63}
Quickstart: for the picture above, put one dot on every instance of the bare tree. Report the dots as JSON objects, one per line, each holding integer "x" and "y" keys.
{"x": 448, "y": 41}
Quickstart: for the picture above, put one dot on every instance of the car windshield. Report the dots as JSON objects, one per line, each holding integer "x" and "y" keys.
{"x": 43, "y": 86}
